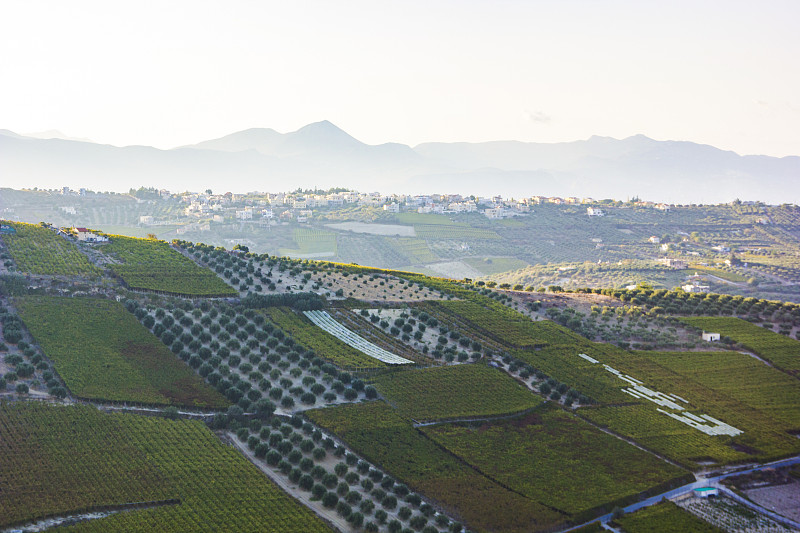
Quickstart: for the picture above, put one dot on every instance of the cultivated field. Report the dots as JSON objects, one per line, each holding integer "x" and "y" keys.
{"x": 103, "y": 353}
{"x": 454, "y": 392}
{"x": 39, "y": 250}
{"x": 148, "y": 264}
{"x": 92, "y": 459}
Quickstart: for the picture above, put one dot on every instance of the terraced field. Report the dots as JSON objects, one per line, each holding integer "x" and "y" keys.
{"x": 782, "y": 351}
{"x": 761, "y": 402}
{"x": 39, "y": 250}
{"x": 90, "y": 459}
{"x": 328, "y": 324}
{"x": 665, "y": 517}
{"x": 323, "y": 343}
{"x": 375, "y": 431}
{"x": 559, "y": 461}
{"x": 103, "y": 353}
{"x": 148, "y": 264}
{"x": 458, "y": 391}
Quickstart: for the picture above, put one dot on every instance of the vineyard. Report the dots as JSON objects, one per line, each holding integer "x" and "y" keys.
{"x": 765, "y": 408}
{"x": 88, "y": 467}
{"x": 782, "y": 351}
{"x": 39, "y": 250}
{"x": 375, "y": 431}
{"x": 103, "y": 353}
{"x": 329, "y": 325}
{"x": 321, "y": 342}
{"x": 559, "y": 460}
{"x": 665, "y": 517}
{"x": 454, "y": 392}
{"x": 94, "y": 459}
{"x": 153, "y": 265}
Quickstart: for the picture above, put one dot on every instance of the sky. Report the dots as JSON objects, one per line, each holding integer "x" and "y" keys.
{"x": 165, "y": 74}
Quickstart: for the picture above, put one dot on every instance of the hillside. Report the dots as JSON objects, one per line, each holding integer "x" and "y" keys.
{"x": 351, "y": 398}
{"x": 545, "y": 245}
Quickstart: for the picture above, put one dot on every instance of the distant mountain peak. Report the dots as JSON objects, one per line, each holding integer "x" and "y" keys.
{"x": 55, "y": 134}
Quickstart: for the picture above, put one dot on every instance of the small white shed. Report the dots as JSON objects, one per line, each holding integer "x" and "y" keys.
{"x": 710, "y": 337}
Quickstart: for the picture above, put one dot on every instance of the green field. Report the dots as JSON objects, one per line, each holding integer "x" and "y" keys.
{"x": 506, "y": 326}
{"x": 724, "y": 274}
{"x": 780, "y": 350}
{"x": 664, "y": 517}
{"x": 321, "y": 342}
{"x": 311, "y": 242}
{"x": 84, "y": 459}
{"x": 38, "y": 250}
{"x": 416, "y": 250}
{"x": 452, "y": 232}
{"x": 559, "y": 460}
{"x": 89, "y": 467}
{"x": 153, "y": 265}
{"x": 375, "y": 431}
{"x": 103, "y": 353}
{"x": 762, "y": 402}
{"x": 459, "y": 391}
{"x": 425, "y": 218}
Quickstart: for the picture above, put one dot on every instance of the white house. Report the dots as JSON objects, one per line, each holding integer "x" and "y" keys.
{"x": 495, "y": 213}
{"x": 146, "y": 220}
{"x": 85, "y": 235}
{"x": 244, "y": 214}
{"x": 594, "y": 212}
{"x": 654, "y": 239}
{"x": 710, "y": 337}
{"x": 392, "y": 207}
{"x": 697, "y": 289}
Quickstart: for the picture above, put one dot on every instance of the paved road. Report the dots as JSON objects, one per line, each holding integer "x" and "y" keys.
{"x": 712, "y": 481}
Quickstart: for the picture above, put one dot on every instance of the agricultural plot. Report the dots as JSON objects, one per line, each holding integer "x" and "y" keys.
{"x": 459, "y": 391}
{"x": 664, "y": 517}
{"x": 453, "y": 232}
{"x": 327, "y": 323}
{"x": 416, "y": 250}
{"x": 508, "y": 327}
{"x": 323, "y": 343}
{"x": 38, "y": 250}
{"x": 780, "y": 350}
{"x": 312, "y": 243}
{"x": 89, "y": 459}
{"x": 89, "y": 469}
{"x": 153, "y": 265}
{"x": 103, "y": 353}
{"x": 762, "y": 403}
{"x": 560, "y": 461}
{"x": 426, "y": 219}
{"x": 375, "y": 431}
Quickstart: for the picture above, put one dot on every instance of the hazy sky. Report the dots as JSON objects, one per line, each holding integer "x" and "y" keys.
{"x": 168, "y": 73}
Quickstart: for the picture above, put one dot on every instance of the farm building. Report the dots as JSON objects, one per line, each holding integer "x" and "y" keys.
{"x": 710, "y": 337}
{"x": 696, "y": 288}
{"x": 86, "y": 235}
{"x": 678, "y": 264}
{"x": 705, "y": 492}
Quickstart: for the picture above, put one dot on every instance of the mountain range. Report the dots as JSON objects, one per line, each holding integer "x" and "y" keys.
{"x": 322, "y": 155}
